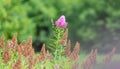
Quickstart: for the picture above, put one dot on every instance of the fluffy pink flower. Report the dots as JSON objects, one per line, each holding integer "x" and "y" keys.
{"x": 61, "y": 22}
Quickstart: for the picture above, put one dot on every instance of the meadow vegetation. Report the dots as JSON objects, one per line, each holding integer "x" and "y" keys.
{"x": 55, "y": 54}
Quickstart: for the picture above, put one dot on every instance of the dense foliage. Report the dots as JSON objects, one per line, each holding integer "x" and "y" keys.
{"x": 94, "y": 23}
{"x": 14, "y": 19}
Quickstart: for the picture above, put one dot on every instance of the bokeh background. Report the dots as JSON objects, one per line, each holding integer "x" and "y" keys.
{"x": 94, "y": 23}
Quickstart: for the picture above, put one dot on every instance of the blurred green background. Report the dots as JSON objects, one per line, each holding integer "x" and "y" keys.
{"x": 94, "y": 23}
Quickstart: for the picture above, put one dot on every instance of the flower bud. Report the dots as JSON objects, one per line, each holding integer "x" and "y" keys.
{"x": 61, "y": 22}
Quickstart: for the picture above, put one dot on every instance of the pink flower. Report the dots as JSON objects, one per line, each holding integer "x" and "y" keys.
{"x": 61, "y": 22}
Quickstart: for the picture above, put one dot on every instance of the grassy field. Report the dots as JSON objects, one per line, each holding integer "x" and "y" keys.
{"x": 113, "y": 64}
{"x": 22, "y": 56}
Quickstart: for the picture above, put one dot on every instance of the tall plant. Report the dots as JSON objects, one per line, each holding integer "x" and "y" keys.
{"x": 57, "y": 39}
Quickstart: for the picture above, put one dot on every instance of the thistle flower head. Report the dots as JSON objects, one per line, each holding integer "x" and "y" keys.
{"x": 61, "y": 22}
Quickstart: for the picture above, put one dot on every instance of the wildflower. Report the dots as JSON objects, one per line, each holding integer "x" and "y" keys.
{"x": 43, "y": 52}
{"x": 74, "y": 55}
{"x": 6, "y": 54}
{"x": 63, "y": 40}
{"x": 61, "y": 22}
{"x": 2, "y": 41}
{"x": 109, "y": 57}
{"x": 68, "y": 48}
{"x": 17, "y": 65}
